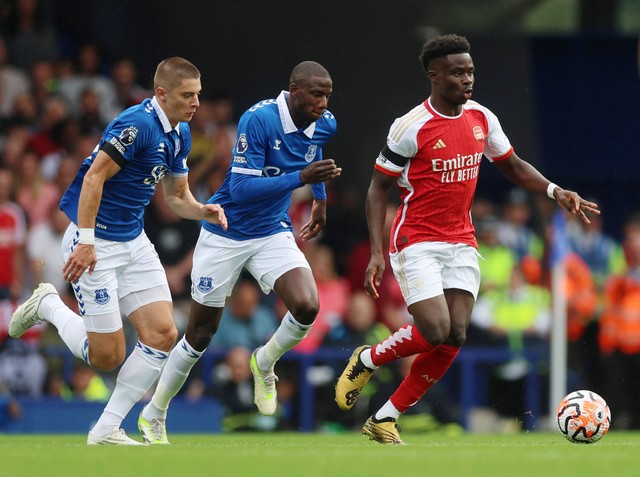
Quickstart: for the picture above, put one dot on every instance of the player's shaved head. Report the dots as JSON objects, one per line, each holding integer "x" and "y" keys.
{"x": 305, "y": 70}
{"x": 172, "y": 71}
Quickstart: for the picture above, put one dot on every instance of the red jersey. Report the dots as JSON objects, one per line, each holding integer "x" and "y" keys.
{"x": 12, "y": 236}
{"x": 437, "y": 159}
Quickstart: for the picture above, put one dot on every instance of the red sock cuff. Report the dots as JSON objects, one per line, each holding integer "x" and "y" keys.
{"x": 449, "y": 350}
{"x": 407, "y": 341}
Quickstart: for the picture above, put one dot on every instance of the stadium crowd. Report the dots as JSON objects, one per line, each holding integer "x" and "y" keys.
{"x": 52, "y": 112}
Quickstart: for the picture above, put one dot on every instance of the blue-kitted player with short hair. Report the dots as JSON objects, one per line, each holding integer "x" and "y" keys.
{"x": 279, "y": 149}
{"x": 110, "y": 262}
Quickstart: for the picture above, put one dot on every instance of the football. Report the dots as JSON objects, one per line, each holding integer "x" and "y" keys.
{"x": 583, "y": 417}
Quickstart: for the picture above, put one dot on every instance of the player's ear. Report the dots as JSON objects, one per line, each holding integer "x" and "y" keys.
{"x": 293, "y": 89}
{"x": 161, "y": 93}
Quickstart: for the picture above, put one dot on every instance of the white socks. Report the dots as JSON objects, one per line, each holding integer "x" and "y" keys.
{"x": 70, "y": 326}
{"x": 181, "y": 360}
{"x": 137, "y": 375}
{"x": 388, "y": 410}
{"x": 365, "y": 357}
{"x": 288, "y": 334}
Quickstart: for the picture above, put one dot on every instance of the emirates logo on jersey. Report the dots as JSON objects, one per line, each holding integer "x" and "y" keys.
{"x": 478, "y": 133}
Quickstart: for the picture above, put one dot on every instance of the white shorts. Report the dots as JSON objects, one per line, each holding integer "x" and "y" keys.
{"x": 426, "y": 269}
{"x": 218, "y": 261}
{"x": 123, "y": 270}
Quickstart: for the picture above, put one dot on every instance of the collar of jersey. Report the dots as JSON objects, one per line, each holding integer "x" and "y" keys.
{"x": 164, "y": 120}
{"x": 285, "y": 117}
{"x": 430, "y": 107}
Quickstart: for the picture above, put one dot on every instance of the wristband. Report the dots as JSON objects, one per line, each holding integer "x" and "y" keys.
{"x": 86, "y": 236}
{"x": 550, "y": 189}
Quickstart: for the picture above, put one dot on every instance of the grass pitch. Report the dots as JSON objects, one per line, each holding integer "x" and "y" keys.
{"x": 324, "y": 455}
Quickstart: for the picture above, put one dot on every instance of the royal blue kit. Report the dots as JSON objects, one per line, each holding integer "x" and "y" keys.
{"x": 267, "y": 159}
{"x": 143, "y": 143}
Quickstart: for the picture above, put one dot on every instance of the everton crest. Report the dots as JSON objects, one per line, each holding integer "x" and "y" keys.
{"x": 205, "y": 284}
{"x": 102, "y": 296}
{"x": 311, "y": 153}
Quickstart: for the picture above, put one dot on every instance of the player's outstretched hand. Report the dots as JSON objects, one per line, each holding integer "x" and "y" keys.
{"x": 320, "y": 171}
{"x": 575, "y": 204}
{"x": 214, "y": 213}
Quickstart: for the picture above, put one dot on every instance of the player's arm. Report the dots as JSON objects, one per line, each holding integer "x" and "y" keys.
{"x": 84, "y": 256}
{"x": 181, "y": 200}
{"x": 529, "y": 178}
{"x": 376, "y": 208}
{"x": 247, "y": 185}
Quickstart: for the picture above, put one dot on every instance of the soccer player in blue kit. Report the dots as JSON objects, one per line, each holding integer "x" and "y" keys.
{"x": 110, "y": 262}
{"x": 278, "y": 149}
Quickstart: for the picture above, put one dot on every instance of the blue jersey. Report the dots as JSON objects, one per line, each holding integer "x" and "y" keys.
{"x": 267, "y": 159}
{"x": 146, "y": 147}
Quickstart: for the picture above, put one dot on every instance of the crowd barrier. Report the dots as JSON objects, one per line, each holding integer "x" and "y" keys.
{"x": 468, "y": 375}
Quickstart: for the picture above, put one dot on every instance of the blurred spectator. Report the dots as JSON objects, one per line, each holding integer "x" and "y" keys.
{"x": 223, "y": 130}
{"x": 346, "y": 227}
{"x": 66, "y": 172}
{"x": 496, "y": 260}
{"x": 619, "y": 334}
{"x": 89, "y": 119}
{"x": 23, "y": 368}
{"x": 43, "y": 250}
{"x": 44, "y": 82}
{"x": 245, "y": 321}
{"x": 333, "y": 294}
{"x": 13, "y": 140}
{"x": 44, "y": 139}
{"x": 67, "y": 136}
{"x": 24, "y": 111}
{"x": 232, "y": 387}
{"x": 86, "y": 384}
{"x": 390, "y": 308}
{"x": 516, "y": 317}
{"x": 359, "y": 326}
{"x": 174, "y": 239}
{"x": 10, "y": 409}
{"x": 88, "y": 77}
{"x": 602, "y": 254}
{"x": 12, "y": 240}
{"x": 128, "y": 92}
{"x": 30, "y": 33}
{"x": 582, "y": 314}
{"x": 482, "y": 207}
{"x": 514, "y": 229}
{"x": 13, "y": 83}
{"x": 202, "y": 157}
{"x": 37, "y": 196}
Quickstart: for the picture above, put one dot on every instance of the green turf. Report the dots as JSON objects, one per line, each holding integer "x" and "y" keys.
{"x": 324, "y": 455}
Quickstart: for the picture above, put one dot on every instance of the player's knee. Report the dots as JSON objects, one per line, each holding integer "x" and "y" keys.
{"x": 199, "y": 337}
{"x": 305, "y": 311}
{"x": 108, "y": 360}
{"x": 164, "y": 338}
{"x": 434, "y": 331}
{"x": 170, "y": 338}
{"x": 457, "y": 337}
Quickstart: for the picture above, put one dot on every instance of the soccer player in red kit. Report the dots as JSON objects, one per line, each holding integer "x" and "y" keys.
{"x": 433, "y": 154}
